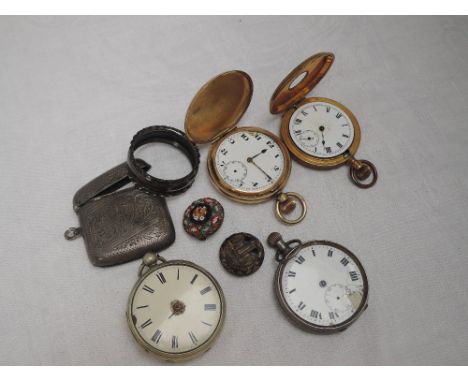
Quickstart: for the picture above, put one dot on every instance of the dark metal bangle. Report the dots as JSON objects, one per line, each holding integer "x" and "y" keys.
{"x": 174, "y": 137}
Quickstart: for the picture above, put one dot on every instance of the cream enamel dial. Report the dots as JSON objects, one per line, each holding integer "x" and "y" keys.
{"x": 321, "y": 129}
{"x": 323, "y": 286}
{"x": 176, "y": 310}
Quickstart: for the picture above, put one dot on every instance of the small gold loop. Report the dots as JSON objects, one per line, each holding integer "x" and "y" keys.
{"x": 353, "y": 173}
{"x": 280, "y": 214}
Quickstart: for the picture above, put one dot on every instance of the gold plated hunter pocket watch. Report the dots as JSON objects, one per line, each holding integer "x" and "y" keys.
{"x": 321, "y": 286}
{"x": 247, "y": 164}
{"x": 176, "y": 309}
{"x": 319, "y": 132}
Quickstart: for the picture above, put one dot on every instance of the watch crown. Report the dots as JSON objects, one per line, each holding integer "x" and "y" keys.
{"x": 283, "y": 248}
{"x": 274, "y": 238}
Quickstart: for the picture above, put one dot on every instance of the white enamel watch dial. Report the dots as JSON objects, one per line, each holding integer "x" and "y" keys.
{"x": 323, "y": 285}
{"x": 176, "y": 309}
{"x": 249, "y": 161}
{"x": 321, "y": 129}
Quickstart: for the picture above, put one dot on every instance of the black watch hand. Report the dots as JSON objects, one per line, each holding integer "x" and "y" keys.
{"x": 261, "y": 152}
{"x": 249, "y": 160}
{"x": 321, "y": 128}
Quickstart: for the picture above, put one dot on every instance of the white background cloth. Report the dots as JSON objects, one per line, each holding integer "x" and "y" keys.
{"x": 74, "y": 90}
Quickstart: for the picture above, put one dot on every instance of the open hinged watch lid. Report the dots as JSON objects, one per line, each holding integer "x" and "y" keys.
{"x": 300, "y": 81}
{"x": 218, "y": 106}
{"x": 212, "y": 117}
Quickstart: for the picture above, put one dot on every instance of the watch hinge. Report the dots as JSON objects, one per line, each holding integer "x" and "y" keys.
{"x": 223, "y": 134}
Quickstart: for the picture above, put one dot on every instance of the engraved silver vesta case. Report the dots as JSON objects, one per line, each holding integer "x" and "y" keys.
{"x": 122, "y": 224}
{"x": 321, "y": 286}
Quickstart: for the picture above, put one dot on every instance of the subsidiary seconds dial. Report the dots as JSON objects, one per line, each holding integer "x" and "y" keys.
{"x": 321, "y": 129}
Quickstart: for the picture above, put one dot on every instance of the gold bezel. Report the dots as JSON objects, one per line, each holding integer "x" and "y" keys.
{"x": 176, "y": 357}
{"x": 248, "y": 197}
{"x": 299, "y": 321}
{"x": 310, "y": 160}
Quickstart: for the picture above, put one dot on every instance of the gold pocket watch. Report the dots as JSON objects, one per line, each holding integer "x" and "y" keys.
{"x": 319, "y": 132}
{"x": 247, "y": 164}
{"x": 176, "y": 309}
{"x": 321, "y": 286}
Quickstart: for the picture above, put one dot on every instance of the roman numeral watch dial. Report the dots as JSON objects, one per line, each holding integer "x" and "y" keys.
{"x": 321, "y": 285}
{"x": 321, "y": 129}
{"x": 176, "y": 309}
{"x": 247, "y": 164}
{"x": 319, "y": 132}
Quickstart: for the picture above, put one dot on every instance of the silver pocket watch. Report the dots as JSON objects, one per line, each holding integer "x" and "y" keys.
{"x": 321, "y": 286}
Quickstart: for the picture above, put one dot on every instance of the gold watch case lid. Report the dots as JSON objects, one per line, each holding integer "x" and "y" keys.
{"x": 300, "y": 81}
{"x": 218, "y": 106}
